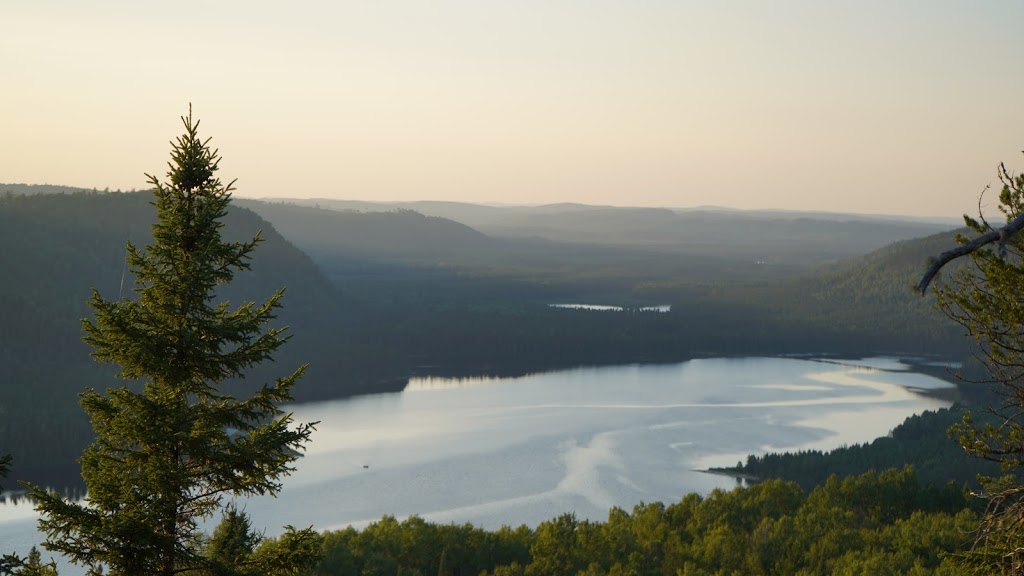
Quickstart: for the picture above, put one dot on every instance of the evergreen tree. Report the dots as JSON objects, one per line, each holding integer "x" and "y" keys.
{"x": 34, "y": 566}
{"x": 166, "y": 458}
{"x": 8, "y": 561}
{"x": 986, "y": 300}
{"x": 232, "y": 542}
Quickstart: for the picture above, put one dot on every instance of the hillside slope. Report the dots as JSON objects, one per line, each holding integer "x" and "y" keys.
{"x": 57, "y": 248}
{"x": 862, "y": 305}
{"x": 397, "y": 235}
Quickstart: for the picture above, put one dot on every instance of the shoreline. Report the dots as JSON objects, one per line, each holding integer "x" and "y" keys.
{"x": 935, "y": 367}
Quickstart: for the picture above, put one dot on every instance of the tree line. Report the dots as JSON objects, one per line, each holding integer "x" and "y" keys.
{"x": 921, "y": 440}
{"x": 888, "y": 523}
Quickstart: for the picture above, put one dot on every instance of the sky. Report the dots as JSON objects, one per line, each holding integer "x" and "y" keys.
{"x": 871, "y": 106}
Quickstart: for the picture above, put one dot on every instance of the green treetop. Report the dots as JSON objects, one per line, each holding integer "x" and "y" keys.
{"x": 7, "y": 561}
{"x": 166, "y": 458}
{"x": 34, "y": 566}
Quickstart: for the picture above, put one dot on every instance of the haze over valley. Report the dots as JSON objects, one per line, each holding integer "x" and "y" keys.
{"x": 376, "y": 296}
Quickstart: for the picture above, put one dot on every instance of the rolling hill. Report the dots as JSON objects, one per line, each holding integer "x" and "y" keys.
{"x": 58, "y": 247}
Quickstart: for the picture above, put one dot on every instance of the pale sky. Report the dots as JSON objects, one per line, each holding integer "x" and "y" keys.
{"x": 898, "y": 107}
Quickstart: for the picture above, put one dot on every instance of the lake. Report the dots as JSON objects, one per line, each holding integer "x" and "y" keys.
{"x": 494, "y": 451}
{"x": 607, "y": 307}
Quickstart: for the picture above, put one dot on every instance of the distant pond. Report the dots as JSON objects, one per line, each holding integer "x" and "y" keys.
{"x": 494, "y": 451}
{"x": 606, "y": 307}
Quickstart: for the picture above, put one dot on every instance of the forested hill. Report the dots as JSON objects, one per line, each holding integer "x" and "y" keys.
{"x": 858, "y": 306}
{"x": 396, "y": 235}
{"x": 57, "y": 248}
{"x": 31, "y": 189}
{"x": 874, "y": 294}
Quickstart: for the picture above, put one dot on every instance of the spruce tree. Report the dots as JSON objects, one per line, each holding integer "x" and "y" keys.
{"x": 167, "y": 457}
{"x": 986, "y": 300}
{"x": 34, "y": 566}
{"x": 12, "y": 564}
{"x": 232, "y": 542}
{"x": 7, "y": 561}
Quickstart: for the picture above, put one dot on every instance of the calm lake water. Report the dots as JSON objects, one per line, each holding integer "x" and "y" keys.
{"x": 494, "y": 451}
{"x": 606, "y": 307}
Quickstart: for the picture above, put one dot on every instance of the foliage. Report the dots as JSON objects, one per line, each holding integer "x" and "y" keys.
{"x": 232, "y": 542}
{"x": 235, "y": 549}
{"x": 5, "y": 465}
{"x": 34, "y": 566}
{"x": 870, "y": 524}
{"x": 987, "y": 302}
{"x": 165, "y": 458}
{"x": 290, "y": 554}
{"x": 7, "y": 561}
{"x": 920, "y": 440}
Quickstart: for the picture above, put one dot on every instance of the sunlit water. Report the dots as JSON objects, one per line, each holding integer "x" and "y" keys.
{"x": 494, "y": 451}
{"x": 608, "y": 308}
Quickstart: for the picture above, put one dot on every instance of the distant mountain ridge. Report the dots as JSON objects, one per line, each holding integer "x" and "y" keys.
{"x": 804, "y": 237}
{"x": 455, "y": 210}
{"x": 30, "y": 189}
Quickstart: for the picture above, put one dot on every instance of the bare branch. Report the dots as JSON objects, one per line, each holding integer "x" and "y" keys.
{"x": 1002, "y": 235}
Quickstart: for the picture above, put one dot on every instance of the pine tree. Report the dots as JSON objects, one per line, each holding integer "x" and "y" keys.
{"x": 232, "y": 542}
{"x": 8, "y": 562}
{"x": 168, "y": 457}
{"x": 986, "y": 300}
{"x": 34, "y": 566}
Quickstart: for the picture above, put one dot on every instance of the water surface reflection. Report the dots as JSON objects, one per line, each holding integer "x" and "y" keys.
{"x": 496, "y": 451}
